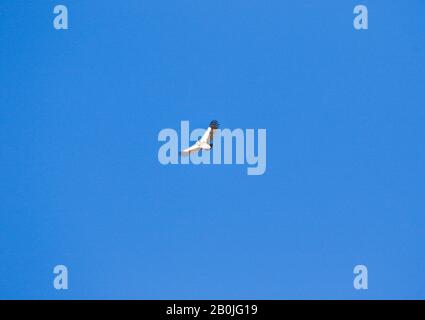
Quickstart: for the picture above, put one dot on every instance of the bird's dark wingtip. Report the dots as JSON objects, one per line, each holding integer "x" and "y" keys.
{"x": 214, "y": 124}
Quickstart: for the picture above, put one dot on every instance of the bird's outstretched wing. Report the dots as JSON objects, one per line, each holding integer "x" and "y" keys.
{"x": 191, "y": 149}
{"x": 208, "y": 135}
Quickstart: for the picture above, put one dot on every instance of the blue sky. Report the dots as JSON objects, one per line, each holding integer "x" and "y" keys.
{"x": 81, "y": 185}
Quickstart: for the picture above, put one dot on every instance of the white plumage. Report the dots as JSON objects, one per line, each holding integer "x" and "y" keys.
{"x": 203, "y": 143}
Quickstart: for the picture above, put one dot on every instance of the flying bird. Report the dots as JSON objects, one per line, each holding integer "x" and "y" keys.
{"x": 203, "y": 143}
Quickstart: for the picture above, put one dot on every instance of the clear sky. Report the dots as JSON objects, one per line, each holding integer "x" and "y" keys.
{"x": 81, "y": 184}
